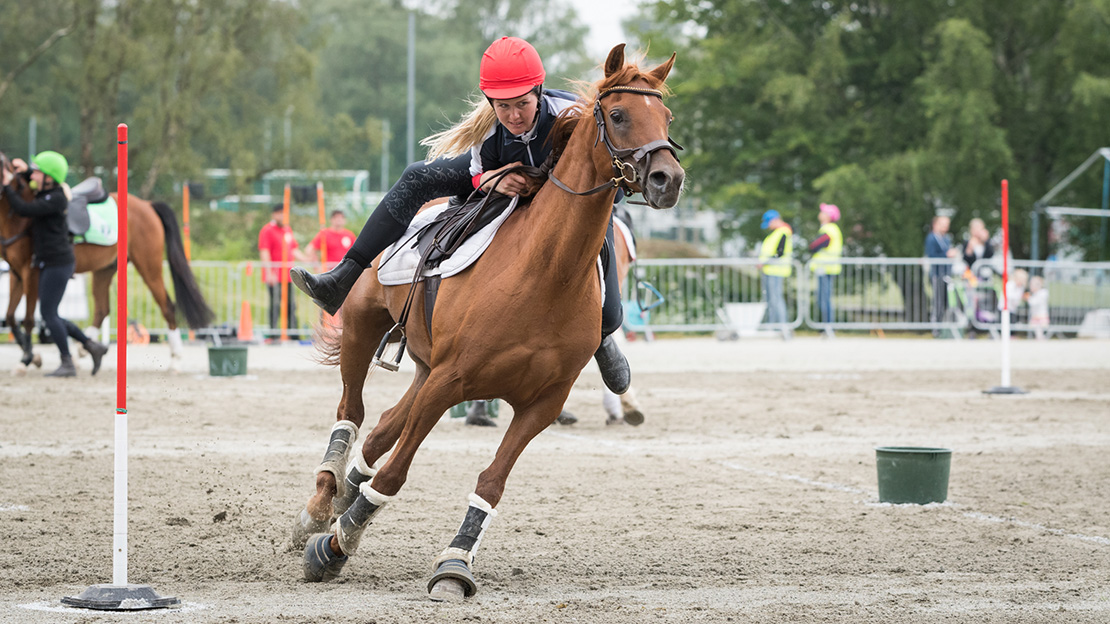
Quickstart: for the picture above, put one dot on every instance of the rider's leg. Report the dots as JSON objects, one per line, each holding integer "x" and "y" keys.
{"x": 420, "y": 183}
{"x": 614, "y": 367}
{"x": 52, "y": 285}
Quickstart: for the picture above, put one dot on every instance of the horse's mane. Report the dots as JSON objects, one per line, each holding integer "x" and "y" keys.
{"x": 587, "y": 93}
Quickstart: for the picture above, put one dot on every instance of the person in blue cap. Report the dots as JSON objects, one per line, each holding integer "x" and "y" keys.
{"x": 775, "y": 264}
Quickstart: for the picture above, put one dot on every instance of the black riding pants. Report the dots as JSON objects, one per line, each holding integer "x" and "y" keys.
{"x": 52, "y": 285}
{"x": 419, "y": 184}
{"x": 612, "y": 311}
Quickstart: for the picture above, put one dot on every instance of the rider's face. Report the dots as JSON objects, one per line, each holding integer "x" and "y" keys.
{"x": 518, "y": 115}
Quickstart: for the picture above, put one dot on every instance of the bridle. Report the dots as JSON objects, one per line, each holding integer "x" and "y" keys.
{"x": 625, "y": 173}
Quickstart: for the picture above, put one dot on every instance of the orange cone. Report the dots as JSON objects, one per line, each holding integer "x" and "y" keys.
{"x": 246, "y": 325}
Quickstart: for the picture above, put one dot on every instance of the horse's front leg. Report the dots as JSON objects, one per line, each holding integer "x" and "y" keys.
{"x": 453, "y": 579}
{"x": 410, "y": 421}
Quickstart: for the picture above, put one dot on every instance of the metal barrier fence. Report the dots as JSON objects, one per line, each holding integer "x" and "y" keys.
{"x": 725, "y": 294}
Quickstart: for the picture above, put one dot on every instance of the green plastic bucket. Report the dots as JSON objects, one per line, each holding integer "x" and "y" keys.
{"x": 911, "y": 474}
{"x": 227, "y": 361}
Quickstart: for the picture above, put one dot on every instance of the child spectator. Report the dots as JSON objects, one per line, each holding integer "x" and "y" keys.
{"x": 1038, "y": 306}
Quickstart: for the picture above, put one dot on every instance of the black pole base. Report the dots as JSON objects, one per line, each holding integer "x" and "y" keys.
{"x": 120, "y": 598}
{"x": 1005, "y": 390}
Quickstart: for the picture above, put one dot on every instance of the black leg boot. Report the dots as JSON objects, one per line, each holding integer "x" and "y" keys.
{"x": 67, "y": 369}
{"x": 328, "y": 290}
{"x": 97, "y": 351}
{"x": 614, "y": 367}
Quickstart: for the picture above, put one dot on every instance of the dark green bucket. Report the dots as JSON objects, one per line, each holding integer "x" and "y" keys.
{"x": 912, "y": 474}
{"x": 227, "y": 361}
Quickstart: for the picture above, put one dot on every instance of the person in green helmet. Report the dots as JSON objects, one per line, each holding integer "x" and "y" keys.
{"x": 53, "y": 248}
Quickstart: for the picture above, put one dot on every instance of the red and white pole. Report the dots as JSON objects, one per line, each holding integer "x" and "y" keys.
{"x": 119, "y": 517}
{"x": 1005, "y": 284}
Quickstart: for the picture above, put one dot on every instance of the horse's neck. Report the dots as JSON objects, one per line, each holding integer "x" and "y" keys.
{"x": 571, "y": 228}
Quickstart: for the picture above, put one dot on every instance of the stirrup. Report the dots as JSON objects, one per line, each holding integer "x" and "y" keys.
{"x": 395, "y": 365}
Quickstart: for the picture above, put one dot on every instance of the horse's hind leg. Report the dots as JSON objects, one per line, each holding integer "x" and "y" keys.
{"x": 149, "y": 267}
{"x": 453, "y": 579}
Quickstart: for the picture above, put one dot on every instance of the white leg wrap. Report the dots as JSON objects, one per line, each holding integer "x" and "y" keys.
{"x": 349, "y": 527}
{"x": 628, "y": 400}
{"x": 612, "y": 402}
{"x": 465, "y": 545}
{"x": 177, "y": 348}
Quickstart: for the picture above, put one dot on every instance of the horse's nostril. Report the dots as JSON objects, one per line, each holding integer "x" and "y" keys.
{"x": 659, "y": 179}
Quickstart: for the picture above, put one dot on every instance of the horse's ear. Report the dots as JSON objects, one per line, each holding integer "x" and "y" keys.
{"x": 661, "y": 72}
{"x": 615, "y": 62}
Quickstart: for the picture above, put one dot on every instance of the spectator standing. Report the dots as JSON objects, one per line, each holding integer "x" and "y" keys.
{"x": 1038, "y": 306}
{"x": 826, "y": 250}
{"x": 977, "y": 246}
{"x": 938, "y": 246}
{"x": 775, "y": 264}
{"x": 273, "y": 238}
{"x": 335, "y": 240}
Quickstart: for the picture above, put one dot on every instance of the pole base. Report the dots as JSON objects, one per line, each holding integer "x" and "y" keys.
{"x": 120, "y": 598}
{"x": 1005, "y": 390}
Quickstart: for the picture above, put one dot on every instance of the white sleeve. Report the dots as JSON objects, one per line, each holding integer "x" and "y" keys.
{"x": 476, "y": 153}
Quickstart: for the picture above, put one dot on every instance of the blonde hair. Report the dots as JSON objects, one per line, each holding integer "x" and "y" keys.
{"x": 467, "y": 133}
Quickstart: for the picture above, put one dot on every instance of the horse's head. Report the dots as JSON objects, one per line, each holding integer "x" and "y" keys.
{"x": 633, "y": 124}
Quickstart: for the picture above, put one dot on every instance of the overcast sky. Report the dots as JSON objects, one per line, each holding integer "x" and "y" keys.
{"x": 604, "y": 17}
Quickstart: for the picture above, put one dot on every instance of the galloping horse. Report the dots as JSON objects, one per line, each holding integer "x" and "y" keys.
{"x": 520, "y": 324}
{"x": 152, "y": 228}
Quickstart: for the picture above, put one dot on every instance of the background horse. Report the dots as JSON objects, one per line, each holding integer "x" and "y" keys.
{"x": 152, "y": 231}
{"x": 520, "y": 324}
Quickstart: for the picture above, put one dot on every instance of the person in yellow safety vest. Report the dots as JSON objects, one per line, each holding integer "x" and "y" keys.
{"x": 825, "y": 263}
{"x": 775, "y": 262}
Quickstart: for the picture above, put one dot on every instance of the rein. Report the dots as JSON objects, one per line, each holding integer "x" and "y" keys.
{"x": 624, "y": 173}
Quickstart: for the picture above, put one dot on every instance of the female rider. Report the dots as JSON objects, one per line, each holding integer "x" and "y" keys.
{"x": 511, "y": 79}
{"x": 53, "y": 249}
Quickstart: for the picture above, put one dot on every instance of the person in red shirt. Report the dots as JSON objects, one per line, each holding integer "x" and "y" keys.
{"x": 338, "y": 238}
{"x": 272, "y": 239}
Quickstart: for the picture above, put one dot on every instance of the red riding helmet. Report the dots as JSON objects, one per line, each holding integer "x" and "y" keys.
{"x": 510, "y": 68}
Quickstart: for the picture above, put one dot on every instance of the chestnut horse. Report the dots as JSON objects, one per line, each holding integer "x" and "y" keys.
{"x": 152, "y": 229}
{"x": 520, "y": 324}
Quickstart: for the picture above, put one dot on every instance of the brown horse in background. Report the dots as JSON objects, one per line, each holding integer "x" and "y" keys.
{"x": 520, "y": 324}
{"x": 152, "y": 231}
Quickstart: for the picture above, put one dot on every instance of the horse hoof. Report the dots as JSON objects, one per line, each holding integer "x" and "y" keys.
{"x": 634, "y": 417}
{"x": 320, "y": 563}
{"x": 304, "y": 526}
{"x": 448, "y": 590}
{"x": 37, "y": 361}
{"x": 452, "y": 582}
{"x": 614, "y": 420}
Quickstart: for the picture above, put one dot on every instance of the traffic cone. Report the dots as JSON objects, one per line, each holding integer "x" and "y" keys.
{"x": 246, "y": 325}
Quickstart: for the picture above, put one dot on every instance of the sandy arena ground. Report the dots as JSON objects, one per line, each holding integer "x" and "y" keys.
{"x": 749, "y": 495}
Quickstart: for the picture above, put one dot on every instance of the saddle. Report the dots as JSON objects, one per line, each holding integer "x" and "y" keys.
{"x": 91, "y": 214}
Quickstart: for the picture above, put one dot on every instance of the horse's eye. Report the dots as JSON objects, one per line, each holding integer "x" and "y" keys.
{"x": 616, "y": 116}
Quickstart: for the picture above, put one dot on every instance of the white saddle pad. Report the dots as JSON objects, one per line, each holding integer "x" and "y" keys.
{"x": 403, "y": 256}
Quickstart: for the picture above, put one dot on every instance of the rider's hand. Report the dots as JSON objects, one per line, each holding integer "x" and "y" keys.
{"x": 19, "y": 165}
{"x": 510, "y": 184}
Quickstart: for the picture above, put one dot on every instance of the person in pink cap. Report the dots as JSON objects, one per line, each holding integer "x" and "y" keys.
{"x": 826, "y": 250}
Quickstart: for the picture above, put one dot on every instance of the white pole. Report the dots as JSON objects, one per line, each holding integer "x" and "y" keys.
{"x": 119, "y": 517}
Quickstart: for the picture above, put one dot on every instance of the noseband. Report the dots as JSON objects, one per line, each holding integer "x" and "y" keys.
{"x": 624, "y": 172}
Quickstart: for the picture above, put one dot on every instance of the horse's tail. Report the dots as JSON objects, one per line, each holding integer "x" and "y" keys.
{"x": 328, "y": 343}
{"x": 189, "y": 298}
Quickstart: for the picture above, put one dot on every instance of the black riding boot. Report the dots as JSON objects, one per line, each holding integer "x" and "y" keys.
{"x": 67, "y": 369}
{"x": 614, "y": 367}
{"x": 97, "y": 351}
{"x": 328, "y": 290}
